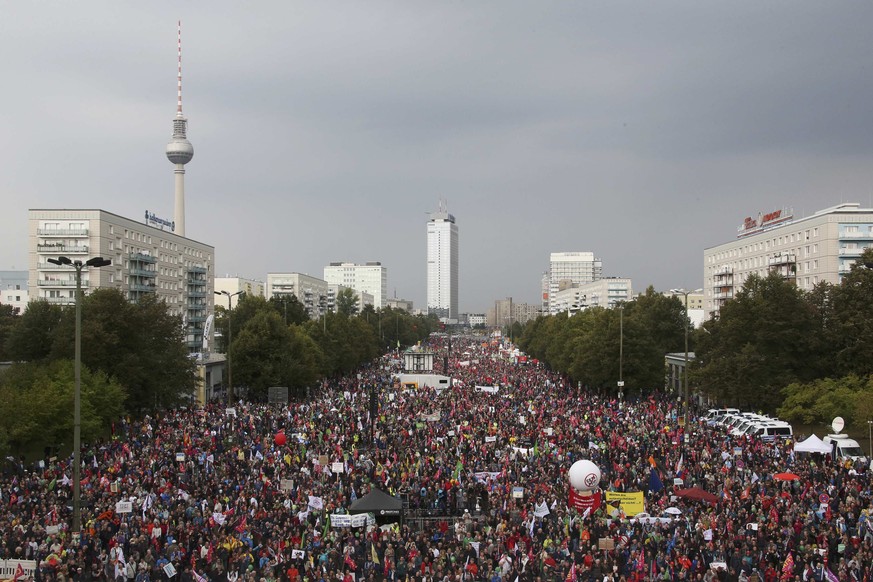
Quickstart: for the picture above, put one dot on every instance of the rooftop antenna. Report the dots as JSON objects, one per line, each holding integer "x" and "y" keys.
{"x": 179, "y": 106}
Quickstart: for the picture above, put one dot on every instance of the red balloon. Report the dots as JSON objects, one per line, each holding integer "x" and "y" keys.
{"x": 279, "y": 439}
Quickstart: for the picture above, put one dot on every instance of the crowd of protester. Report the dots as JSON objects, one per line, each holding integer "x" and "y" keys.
{"x": 246, "y": 494}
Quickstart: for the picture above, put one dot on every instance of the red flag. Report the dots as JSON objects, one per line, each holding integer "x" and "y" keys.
{"x": 19, "y": 572}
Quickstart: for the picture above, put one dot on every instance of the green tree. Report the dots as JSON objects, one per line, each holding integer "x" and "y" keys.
{"x": 853, "y": 318}
{"x": 267, "y": 353}
{"x": 818, "y": 402}
{"x": 9, "y": 318}
{"x": 347, "y": 303}
{"x": 139, "y": 344}
{"x": 663, "y": 318}
{"x": 762, "y": 341}
{"x": 32, "y": 337}
{"x": 37, "y": 400}
{"x": 292, "y": 311}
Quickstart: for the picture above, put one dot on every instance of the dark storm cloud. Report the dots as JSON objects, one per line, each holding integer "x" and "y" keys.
{"x": 324, "y": 131}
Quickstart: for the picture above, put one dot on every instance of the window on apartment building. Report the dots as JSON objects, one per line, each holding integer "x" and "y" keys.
{"x": 815, "y": 264}
{"x": 814, "y": 249}
{"x": 815, "y": 232}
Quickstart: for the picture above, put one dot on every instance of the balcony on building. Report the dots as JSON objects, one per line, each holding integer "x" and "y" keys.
{"x": 62, "y": 231}
{"x": 142, "y": 258}
{"x": 62, "y": 248}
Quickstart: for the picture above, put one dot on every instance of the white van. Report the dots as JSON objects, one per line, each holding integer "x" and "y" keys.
{"x": 846, "y": 448}
{"x": 769, "y": 431}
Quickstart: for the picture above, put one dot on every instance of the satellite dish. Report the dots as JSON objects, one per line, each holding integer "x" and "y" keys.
{"x": 837, "y": 424}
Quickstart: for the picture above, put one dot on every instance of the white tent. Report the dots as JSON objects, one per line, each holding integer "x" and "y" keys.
{"x": 812, "y": 445}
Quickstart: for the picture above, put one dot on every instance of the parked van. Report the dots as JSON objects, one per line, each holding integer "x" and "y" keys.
{"x": 844, "y": 447}
{"x": 769, "y": 431}
{"x": 713, "y": 412}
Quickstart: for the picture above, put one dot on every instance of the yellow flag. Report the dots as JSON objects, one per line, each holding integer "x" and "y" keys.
{"x": 374, "y": 555}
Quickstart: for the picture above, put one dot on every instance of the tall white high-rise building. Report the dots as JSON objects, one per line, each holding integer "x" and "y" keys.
{"x": 368, "y": 278}
{"x": 571, "y": 269}
{"x": 442, "y": 264}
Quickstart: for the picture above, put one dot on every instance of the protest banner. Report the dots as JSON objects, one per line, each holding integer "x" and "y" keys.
{"x": 631, "y": 503}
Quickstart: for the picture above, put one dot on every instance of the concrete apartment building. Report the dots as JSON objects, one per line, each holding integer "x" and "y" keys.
{"x": 569, "y": 269}
{"x": 507, "y": 311}
{"x": 233, "y": 285}
{"x": 311, "y": 291}
{"x": 606, "y": 293}
{"x": 146, "y": 260}
{"x": 807, "y": 251}
{"x": 13, "y": 289}
{"x": 367, "y": 278}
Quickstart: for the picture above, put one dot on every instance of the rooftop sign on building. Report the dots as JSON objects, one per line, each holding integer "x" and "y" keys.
{"x": 764, "y": 221}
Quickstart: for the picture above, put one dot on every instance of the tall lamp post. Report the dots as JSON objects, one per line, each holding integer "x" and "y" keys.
{"x": 685, "y": 368}
{"x": 95, "y": 262}
{"x": 229, "y": 342}
{"x": 620, "y": 350}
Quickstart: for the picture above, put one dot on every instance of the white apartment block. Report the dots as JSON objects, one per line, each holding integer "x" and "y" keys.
{"x": 442, "y": 265}
{"x": 369, "y": 278}
{"x": 146, "y": 260}
{"x": 606, "y": 293}
{"x": 13, "y": 289}
{"x": 570, "y": 269}
{"x": 806, "y": 251}
{"x": 310, "y": 291}
{"x": 233, "y": 285}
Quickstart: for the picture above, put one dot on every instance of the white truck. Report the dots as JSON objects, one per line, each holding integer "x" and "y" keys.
{"x": 845, "y": 448}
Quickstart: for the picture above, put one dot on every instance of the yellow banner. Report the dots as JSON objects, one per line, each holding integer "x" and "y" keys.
{"x": 631, "y": 503}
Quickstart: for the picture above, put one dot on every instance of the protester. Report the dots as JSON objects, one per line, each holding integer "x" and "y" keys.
{"x": 218, "y": 494}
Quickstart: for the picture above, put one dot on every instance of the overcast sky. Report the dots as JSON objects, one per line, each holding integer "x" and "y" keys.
{"x": 325, "y": 131}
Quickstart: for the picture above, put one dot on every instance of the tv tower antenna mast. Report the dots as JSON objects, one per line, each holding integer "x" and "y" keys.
{"x": 179, "y": 150}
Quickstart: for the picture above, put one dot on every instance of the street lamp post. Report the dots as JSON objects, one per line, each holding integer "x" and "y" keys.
{"x": 620, "y": 350}
{"x": 229, "y": 342}
{"x": 95, "y": 262}
{"x": 685, "y": 368}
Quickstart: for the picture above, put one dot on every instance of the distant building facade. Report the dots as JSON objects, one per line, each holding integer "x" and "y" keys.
{"x": 570, "y": 269}
{"x": 806, "y": 251}
{"x": 146, "y": 260}
{"x": 13, "y": 289}
{"x": 310, "y": 291}
{"x": 369, "y": 278}
{"x": 251, "y": 287}
{"x": 506, "y": 312}
{"x": 363, "y": 299}
{"x": 402, "y": 304}
{"x": 606, "y": 293}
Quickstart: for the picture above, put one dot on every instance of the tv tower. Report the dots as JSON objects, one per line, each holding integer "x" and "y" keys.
{"x": 180, "y": 151}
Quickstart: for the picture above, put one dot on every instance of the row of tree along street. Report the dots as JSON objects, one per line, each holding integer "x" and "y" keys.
{"x": 135, "y": 361}
{"x": 807, "y": 356}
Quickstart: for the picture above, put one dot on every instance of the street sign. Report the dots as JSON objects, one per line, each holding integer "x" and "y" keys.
{"x": 620, "y": 383}
{"x": 824, "y": 498}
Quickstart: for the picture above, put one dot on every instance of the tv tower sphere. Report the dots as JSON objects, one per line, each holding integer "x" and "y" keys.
{"x": 179, "y": 149}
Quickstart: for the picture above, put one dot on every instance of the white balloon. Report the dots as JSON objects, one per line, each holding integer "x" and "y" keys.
{"x": 584, "y": 475}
